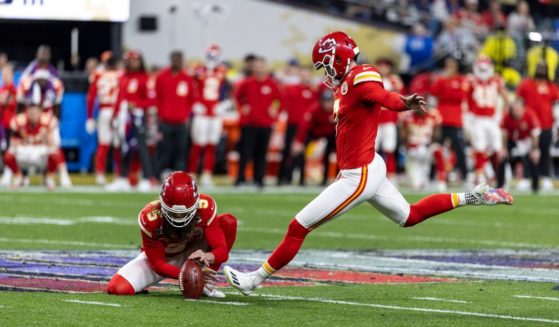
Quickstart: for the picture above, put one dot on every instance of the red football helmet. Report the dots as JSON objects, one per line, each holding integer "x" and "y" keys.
{"x": 179, "y": 199}
{"x": 334, "y": 52}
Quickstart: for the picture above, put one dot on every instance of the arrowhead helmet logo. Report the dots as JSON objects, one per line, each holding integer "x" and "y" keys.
{"x": 327, "y": 46}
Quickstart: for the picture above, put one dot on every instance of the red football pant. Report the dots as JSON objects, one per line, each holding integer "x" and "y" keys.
{"x": 390, "y": 163}
{"x": 196, "y": 154}
{"x": 439, "y": 164}
{"x": 101, "y": 158}
{"x": 428, "y": 207}
{"x": 11, "y": 162}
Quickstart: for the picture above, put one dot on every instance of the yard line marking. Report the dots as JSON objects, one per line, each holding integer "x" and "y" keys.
{"x": 402, "y": 308}
{"x": 430, "y": 239}
{"x": 437, "y": 299}
{"x": 61, "y": 242}
{"x": 25, "y": 220}
{"x": 537, "y": 297}
{"x": 219, "y": 302}
{"x": 94, "y": 303}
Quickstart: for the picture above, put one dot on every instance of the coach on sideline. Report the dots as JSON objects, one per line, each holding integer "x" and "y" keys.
{"x": 175, "y": 97}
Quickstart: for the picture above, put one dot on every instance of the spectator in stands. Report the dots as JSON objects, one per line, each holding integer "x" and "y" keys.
{"x": 419, "y": 47}
{"x": 3, "y": 62}
{"x": 471, "y": 20}
{"x": 450, "y": 93}
{"x": 258, "y": 100}
{"x": 521, "y": 130}
{"x": 175, "y": 98}
{"x": 519, "y": 23}
{"x": 317, "y": 123}
{"x": 8, "y": 104}
{"x": 539, "y": 93}
{"x": 500, "y": 47}
{"x": 535, "y": 55}
{"x": 494, "y": 17}
{"x": 457, "y": 41}
{"x": 298, "y": 100}
{"x": 42, "y": 61}
{"x": 130, "y": 114}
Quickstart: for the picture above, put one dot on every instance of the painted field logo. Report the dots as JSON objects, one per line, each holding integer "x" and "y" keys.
{"x": 89, "y": 271}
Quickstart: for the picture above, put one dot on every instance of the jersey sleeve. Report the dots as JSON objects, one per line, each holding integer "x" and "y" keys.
{"x": 374, "y": 92}
{"x": 149, "y": 219}
{"x": 207, "y": 207}
{"x": 91, "y": 96}
{"x": 155, "y": 252}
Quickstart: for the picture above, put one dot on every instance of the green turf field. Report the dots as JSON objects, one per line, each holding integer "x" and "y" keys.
{"x": 103, "y": 221}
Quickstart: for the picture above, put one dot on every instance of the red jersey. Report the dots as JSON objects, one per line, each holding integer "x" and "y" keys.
{"x": 523, "y": 128}
{"x": 33, "y": 134}
{"x": 316, "y": 123}
{"x": 258, "y": 101}
{"x": 420, "y": 128}
{"x": 357, "y": 105}
{"x": 540, "y": 97}
{"x": 209, "y": 88}
{"x": 159, "y": 247}
{"x": 299, "y": 99}
{"x": 133, "y": 88}
{"x": 391, "y": 83}
{"x": 451, "y": 94}
{"x": 175, "y": 95}
{"x": 104, "y": 88}
{"x": 483, "y": 96}
{"x": 8, "y": 104}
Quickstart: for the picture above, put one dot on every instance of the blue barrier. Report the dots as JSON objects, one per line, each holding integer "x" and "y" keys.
{"x": 78, "y": 145}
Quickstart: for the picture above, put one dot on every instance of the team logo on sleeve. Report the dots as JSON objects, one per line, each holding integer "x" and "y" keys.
{"x": 344, "y": 88}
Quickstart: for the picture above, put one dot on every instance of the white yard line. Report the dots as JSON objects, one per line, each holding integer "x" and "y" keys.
{"x": 403, "y": 308}
{"x": 61, "y": 242}
{"x": 25, "y": 220}
{"x": 437, "y": 299}
{"x": 94, "y": 303}
{"x": 548, "y": 298}
{"x": 219, "y": 302}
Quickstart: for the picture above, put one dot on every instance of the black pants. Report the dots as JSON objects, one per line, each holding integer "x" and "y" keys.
{"x": 171, "y": 149}
{"x": 137, "y": 143}
{"x": 545, "y": 157}
{"x": 253, "y": 145}
{"x": 530, "y": 168}
{"x": 456, "y": 137}
{"x": 300, "y": 162}
{"x": 286, "y": 165}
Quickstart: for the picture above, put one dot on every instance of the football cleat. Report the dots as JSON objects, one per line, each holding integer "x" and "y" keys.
{"x": 120, "y": 184}
{"x": 100, "y": 179}
{"x": 6, "y": 177}
{"x": 50, "y": 183}
{"x": 144, "y": 185}
{"x": 491, "y": 196}
{"x": 239, "y": 280}
{"x": 213, "y": 292}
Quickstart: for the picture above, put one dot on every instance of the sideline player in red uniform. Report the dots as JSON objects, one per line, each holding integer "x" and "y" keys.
{"x": 359, "y": 95}
{"x": 104, "y": 89}
{"x": 207, "y": 124}
{"x": 181, "y": 225}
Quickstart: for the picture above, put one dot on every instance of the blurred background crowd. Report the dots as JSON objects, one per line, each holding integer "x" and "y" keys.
{"x": 488, "y": 69}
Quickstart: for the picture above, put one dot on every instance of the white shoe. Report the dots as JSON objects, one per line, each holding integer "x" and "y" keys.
{"x": 213, "y": 292}
{"x": 524, "y": 185}
{"x": 119, "y": 185}
{"x": 17, "y": 181}
{"x": 547, "y": 184}
{"x": 6, "y": 177}
{"x": 65, "y": 180}
{"x": 239, "y": 280}
{"x": 144, "y": 186}
{"x": 441, "y": 186}
{"x": 50, "y": 183}
{"x": 206, "y": 180}
{"x": 491, "y": 196}
{"x": 100, "y": 179}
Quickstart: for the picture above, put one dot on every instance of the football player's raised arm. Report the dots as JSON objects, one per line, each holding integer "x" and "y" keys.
{"x": 91, "y": 96}
{"x": 216, "y": 240}
{"x": 375, "y": 92}
{"x": 155, "y": 251}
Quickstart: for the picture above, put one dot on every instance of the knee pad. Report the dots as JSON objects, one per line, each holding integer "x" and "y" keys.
{"x": 120, "y": 286}
{"x": 228, "y": 222}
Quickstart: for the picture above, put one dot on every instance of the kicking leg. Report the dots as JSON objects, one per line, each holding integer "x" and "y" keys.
{"x": 347, "y": 192}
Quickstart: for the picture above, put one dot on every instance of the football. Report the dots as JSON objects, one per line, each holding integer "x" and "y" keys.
{"x": 191, "y": 280}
